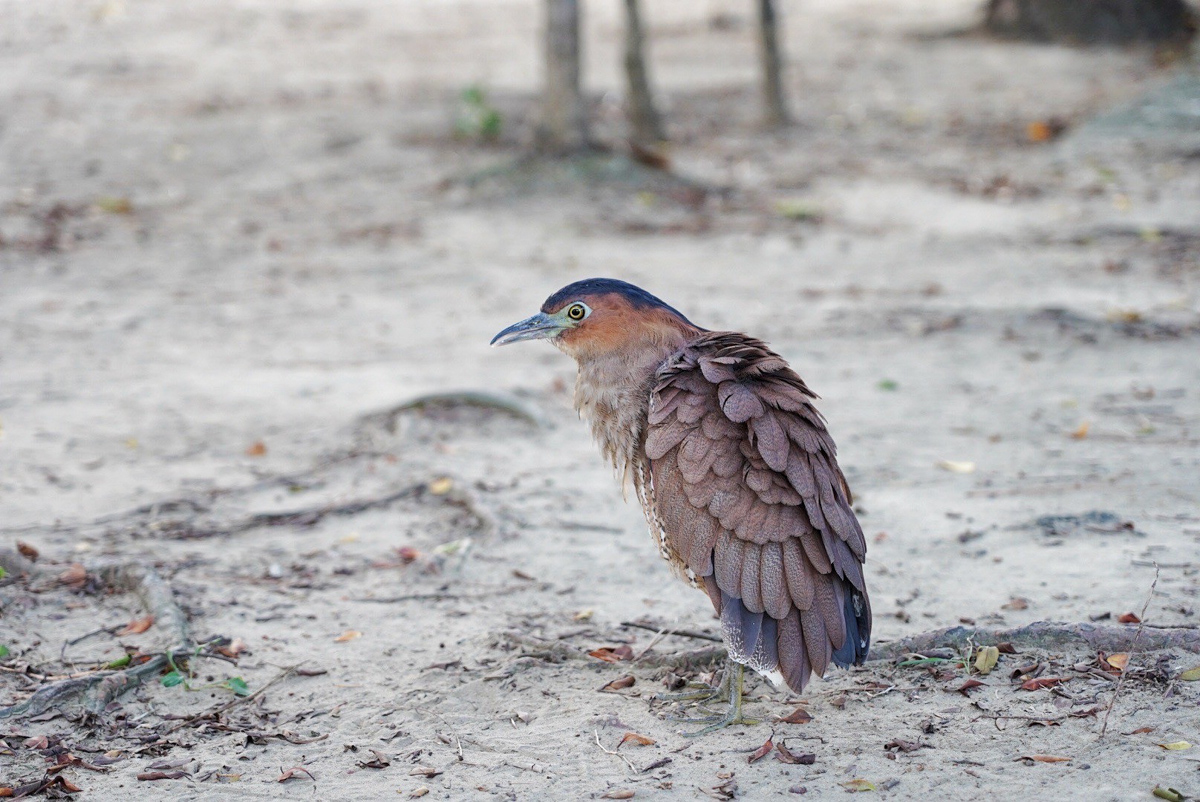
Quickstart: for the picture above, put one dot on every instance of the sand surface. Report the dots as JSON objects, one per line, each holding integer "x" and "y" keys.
{"x": 235, "y": 239}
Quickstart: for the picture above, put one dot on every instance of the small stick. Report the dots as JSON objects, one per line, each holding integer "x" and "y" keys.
{"x": 1121, "y": 679}
{"x": 662, "y": 633}
{"x": 628, "y": 762}
{"x": 683, "y": 633}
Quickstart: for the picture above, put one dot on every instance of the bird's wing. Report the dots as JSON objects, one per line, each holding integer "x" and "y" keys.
{"x": 747, "y": 490}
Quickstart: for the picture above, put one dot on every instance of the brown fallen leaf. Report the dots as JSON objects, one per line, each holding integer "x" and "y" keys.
{"x": 1045, "y": 758}
{"x": 5, "y": 790}
{"x": 74, "y": 576}
{"x": 640, "y": 740}
{"x": 1128, "y": 618}
{"x": 36, "y": 742}
{"x": 1016, "y": 603}
{"x": 797, "y": 716}
{"x": 1142, "y": 730}
{"x": 786, "y": 755}
{"x": 256, "y": 449}
{"x": 27, "y": 551}
{"x": 619, "y": 683}
{"x": 762, "y": 751}
{"x": 1005, "y": 648}
{"x": 1041, "y": 683}
{"x": 424, "y": 771}
{"x": 137, "y": 626}
{"x": 294, "y": 774}
{"x": 147, "y": 776}
{"x": 622, "y": 652}
{"x": 378, "y": 761}
{"x": 348, "y": 635}
{"x": 902, "y": 746}
{"x": 408, "y": 554}
{"x": 1082, "y": 432}
{"x": 233, "y": 649}
{"x": 967, "y": 686}
{"x": 618, "y": 793}
{"x": 1118, "y": 661}
{"x": 1045, "y": 130}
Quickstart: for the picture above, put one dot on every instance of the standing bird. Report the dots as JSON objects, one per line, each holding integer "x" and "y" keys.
{"x": 735, "y": 471}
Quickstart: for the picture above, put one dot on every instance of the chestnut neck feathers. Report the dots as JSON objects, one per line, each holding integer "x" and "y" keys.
{"x": 618, "y": 351}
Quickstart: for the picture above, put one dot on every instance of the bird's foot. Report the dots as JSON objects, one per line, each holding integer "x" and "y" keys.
{"x": 733, "y": 716}
{"x": 699, "y": 693}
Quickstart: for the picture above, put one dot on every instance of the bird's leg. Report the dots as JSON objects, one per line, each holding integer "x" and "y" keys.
{"x": 734, "y": 673}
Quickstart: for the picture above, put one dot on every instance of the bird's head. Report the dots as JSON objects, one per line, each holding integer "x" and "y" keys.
{"x": 602, "y": 316}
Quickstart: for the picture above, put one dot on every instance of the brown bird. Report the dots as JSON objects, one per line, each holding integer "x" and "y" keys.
{"x": 735, "y": 471}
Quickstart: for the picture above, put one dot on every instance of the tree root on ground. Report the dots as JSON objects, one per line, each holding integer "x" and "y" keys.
{"x": 1049, "y": 635}
{"x": 102, "y": 687}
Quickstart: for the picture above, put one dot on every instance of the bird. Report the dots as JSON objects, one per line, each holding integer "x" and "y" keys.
{"x": 736, "y": 473}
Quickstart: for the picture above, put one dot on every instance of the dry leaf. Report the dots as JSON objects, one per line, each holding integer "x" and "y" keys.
{"x": 797, "y": 716}
{"x": 583, "y": 615}
{"x": 640, "y": 740}
{"x": 1129, "y": 618}
{"x": 137, "y": 626}
{"x": 256, "y": 449}
{"x": 74, "y": 576}
{"x": 1041, "y": 683}
{"x": 762, "y": 751}
{"x": 420, "y": 792}
{"x": 36, "y": 742}
{"x": 785, "y": 755}
{"x": 966, "y": 687}
{"x": 378, "y": 761}
{"x": 608, "y": 655}
{"x": 441, "y": 486}
{"x": 1191, "y": 675}
{"x": 235, "y": 647}
{"x": 1045, "y": 758}
{"x": 1118, "y": 661}
{"x": 1176, "y": 746}
{"x": 147, "y": 776}
{"x": 1082, "y": 431}
{"x": 956, "y": 467}
{"x": 619, "y": 683}
{"x": 294, "y": 773}
{"x": 348, "y": 635}
{"x": 986, "y": 659}
{"x": 1016, "y": 603}
{"x": 854, "y": 786}
{"x": 618, "y": 793}
{"x": 422, "y": 771}
{"x": 1143, "y": 730}
{"x": 27, "y": 550}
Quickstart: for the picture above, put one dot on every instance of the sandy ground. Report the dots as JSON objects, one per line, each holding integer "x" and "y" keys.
{"x": 230, "y": 224}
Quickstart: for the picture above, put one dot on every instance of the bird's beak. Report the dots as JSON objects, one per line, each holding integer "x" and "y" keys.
{"x": 539, "y": 327}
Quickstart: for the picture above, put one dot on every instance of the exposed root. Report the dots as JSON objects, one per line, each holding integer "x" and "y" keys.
{"x": 102, "y": 687}
{"x": 1048, "y": 635}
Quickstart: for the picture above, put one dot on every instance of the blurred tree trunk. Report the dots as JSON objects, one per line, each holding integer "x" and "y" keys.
{"x": 563, "y": 125}
{"x": 775, "y": 113}
{"x": 1087, "y": 22}
{"x": 643, "y": 116}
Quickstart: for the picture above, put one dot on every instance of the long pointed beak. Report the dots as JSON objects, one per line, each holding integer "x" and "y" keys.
{"x": 539, "y": 327}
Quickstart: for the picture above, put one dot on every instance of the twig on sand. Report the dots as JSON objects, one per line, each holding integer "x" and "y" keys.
{"x": 628, "y": 762}
{"x": 100, "y": 688}
{"x": 1125, "y": 670}
{"x": 682, "y": 633}
{"x": 1048, "y": 635}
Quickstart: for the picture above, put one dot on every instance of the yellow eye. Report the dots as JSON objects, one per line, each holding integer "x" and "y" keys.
{"x": 576, "y": 312}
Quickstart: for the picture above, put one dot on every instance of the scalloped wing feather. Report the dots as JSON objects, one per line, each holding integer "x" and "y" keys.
{"x": 746, "y": 487}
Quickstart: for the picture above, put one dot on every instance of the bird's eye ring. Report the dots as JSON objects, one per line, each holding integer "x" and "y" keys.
{"x": 576, "y": 312}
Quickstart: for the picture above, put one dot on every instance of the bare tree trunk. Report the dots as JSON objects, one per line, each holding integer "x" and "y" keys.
{"x": 644, "y": 117}
{"x": 775, "y": 113}
{"x": 563, "y": 127}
